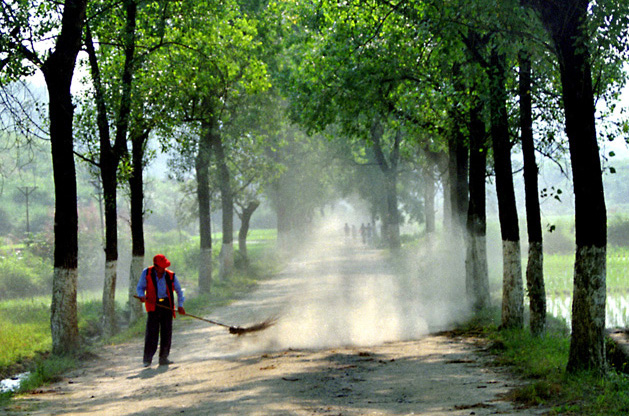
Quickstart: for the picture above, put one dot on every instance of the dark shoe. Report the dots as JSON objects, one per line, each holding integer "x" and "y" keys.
{"x": 164, "y": 361}
{"x": 146, "y": 364}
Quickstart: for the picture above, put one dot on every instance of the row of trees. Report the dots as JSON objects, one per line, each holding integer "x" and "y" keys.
{"x": 189, "y": 74}
{"x": 436, "y": 85}
{"x": 436, "y": 75}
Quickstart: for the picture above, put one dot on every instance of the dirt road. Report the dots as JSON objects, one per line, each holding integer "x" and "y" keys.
{"x": 351, "y": 339}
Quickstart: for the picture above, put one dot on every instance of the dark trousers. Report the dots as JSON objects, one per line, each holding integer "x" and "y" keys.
{"x": 159, "y": 325}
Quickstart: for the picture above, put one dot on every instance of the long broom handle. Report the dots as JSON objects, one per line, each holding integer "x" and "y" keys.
{"x": 190, "y": 315}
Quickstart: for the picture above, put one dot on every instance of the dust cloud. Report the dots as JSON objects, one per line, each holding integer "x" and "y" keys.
{"x": 340, "y": 291}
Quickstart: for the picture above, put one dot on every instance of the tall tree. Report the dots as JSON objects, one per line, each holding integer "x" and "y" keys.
{"x": 477, "y": 277}
{"x": 512, "y": 289}
{"x": 457, "y": 180}
{"x": 566, "y": 23}
{"x": 149, "y": 113}
{"x": 110, "y": 154}
{"x": 139, "y": 138}
{"x": 361, "y": 74}
{"x": 227, "y": 205}
{"x": 213, "y": 65}
{"x": 202, "y": 171}
{"x": 487, "y": 50}
{"x": 250, "y": 161}
{"x": 58, "y": 69}
{"x": 245, "y": 214}
{"x": 535, "y": 261}
{"x": 128, "y": 102}
{"x": 389, "y": 168}
{"x": 431, "y": 172}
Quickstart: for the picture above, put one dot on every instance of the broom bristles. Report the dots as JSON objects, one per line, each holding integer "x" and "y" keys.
{"x": 239, "y": 330}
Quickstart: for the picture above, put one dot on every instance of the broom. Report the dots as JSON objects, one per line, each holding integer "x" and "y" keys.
{"x": 235, "y": 330}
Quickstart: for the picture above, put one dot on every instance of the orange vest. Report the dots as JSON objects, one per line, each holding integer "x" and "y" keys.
{"x": 151, "y": 289}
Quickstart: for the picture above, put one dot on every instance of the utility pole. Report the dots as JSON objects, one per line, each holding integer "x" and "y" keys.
{"x": 27, "y": 191}
{"x": 99, "y": 198}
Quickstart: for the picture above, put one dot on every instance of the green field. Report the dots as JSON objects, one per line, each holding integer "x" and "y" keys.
{"x": 24, "y": 329}
{"x": 558, "y": 271}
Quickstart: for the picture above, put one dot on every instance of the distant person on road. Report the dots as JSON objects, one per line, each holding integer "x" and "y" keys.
{"x": 347, "y": 231}
{"x": 363, "y": 232}
{"x": 156, "y": 289}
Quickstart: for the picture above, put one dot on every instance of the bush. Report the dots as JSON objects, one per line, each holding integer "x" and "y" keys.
{"x": 618, "y": 232}
{"x": 24, "y": 275}
{"x": 43, "y": 245}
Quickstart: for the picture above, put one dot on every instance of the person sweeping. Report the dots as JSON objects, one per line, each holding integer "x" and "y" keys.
{"x": 156, "y": 289}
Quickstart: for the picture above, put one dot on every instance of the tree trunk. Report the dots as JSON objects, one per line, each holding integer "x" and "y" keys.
{"x": 458, "y": 157}
{"x": 535, "y": 261}
{"x": 391, "y": 223}
{"x": 587, "y": 347}
{"x": 110, "y": 158}
{"x": 392, "y": 220}
{"x": 226, "y": 255}
{"x": 109, "y": 168}
{"x": 477, "y": 278}
{"x": 245, "y": 220}
{"x": 136, "y": 186}
{"x": 283, "y": 224}
{"x": 281, "y": 202}
{"x": 512, "y": 289}
{"x": 566, "y": 23}
{"x": 457, "y": 194}
{"x": 58, "y": 70}
{"x": 461, "y": 184}
{"x": 447, "y": 200}
{"x": 429, "y": 198}
{"x": 202, "y": 167}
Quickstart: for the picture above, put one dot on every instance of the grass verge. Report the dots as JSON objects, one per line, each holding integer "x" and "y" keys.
{"x": 542, "y": 361}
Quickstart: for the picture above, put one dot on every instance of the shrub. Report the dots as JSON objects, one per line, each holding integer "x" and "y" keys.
{"x": 43, "y": 245}
{"x": 24, "y": 275}
{"x": 618, "y": 232}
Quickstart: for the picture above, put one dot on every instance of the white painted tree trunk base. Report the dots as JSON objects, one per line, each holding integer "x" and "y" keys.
{"x": 64, "y": 316}
{"x": 477, "y": 277}
{"x": 226, "y": 260}
{"x": 512, "y": 285}
{"x": 536, "y": 288}
{"x": 109, "y": 299}
{"x": 135, "y": 306}
{"x": 587, "y": 342}
{"x": 205, "y": 270}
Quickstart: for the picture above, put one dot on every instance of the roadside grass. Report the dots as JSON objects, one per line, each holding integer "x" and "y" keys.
{"x": 24, "y": 331}
{"x": 47, "y": 369}
{"x": 25, "y": 323}
{"x": 542, "y": 362}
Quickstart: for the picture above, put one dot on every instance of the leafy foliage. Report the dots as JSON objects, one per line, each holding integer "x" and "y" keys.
{"x": 24, "y": 275}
